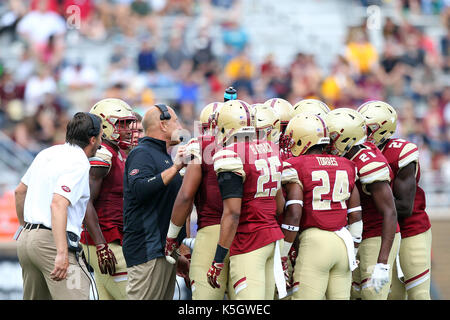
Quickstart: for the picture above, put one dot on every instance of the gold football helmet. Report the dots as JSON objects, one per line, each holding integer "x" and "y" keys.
{"x": 347, "y": 129}
{"x": 234, "y": 118}
{"x": 306, "y": 130}
{"x": 381, "y": 120}
{"x": 118, "y": 121}
{"x": 284, "y": 110}
{"x": 267, "y": 122}
{"x": 207, "y": 116}
{"x": 313, "y": 106}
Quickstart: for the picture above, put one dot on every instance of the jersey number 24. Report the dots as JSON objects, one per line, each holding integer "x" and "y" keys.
{"x": 340, "y": 191}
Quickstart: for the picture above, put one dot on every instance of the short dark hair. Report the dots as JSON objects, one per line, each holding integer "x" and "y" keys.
{"x": 138, "y": 116}
{"x": 81, "y": 128}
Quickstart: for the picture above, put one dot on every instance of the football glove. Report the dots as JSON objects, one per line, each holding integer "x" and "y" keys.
{"x": 284, "y": 263}
{"x": 171, "y": 246}
{"x": 292, "y": 255}
{"x": 214, "y": 273}
{"x": 380, "y": 276}
{"x": 106, "y": 259}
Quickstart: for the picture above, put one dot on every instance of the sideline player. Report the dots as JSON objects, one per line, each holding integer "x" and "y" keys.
{"x": 322, "y": 200}
{"x": 381, "y": 233}
{"x": 415, "y": 227}
{"x": 249, "y": 178}
{"x": 200, "y": 187}
{"x": 104, "y": 217}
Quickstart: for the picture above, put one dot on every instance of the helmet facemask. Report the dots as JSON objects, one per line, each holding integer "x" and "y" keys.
{"x": 125, "y": 131}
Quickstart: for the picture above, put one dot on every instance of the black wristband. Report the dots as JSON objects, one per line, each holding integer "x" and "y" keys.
{"x": 221, "y": 252}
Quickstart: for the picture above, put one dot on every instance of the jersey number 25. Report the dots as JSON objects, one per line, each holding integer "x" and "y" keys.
{"x": 269, "y": 172}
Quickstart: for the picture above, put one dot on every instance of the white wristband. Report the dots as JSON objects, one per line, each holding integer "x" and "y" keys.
{"x": 354, "y": 209}
{"x": 289, "y": 227}
{"x": 288, "y": 203}
{"x": 173, "y": 231}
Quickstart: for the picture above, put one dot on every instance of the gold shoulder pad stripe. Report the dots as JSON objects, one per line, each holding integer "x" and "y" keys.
{"x": 228, "y": 161}
{"x": 409, "y": 153}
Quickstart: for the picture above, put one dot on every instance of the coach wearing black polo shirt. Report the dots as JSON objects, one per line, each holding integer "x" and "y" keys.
{"x": 151, "y": 184}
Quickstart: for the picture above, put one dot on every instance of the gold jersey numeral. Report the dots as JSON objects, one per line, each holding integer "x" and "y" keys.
{"x": 269, "y": 172}
{"x": 340, "y": 193}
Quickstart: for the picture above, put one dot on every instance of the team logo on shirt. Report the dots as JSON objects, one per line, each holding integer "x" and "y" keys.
{"x": 65, "y": 188}
{"x": 134, "y": 172}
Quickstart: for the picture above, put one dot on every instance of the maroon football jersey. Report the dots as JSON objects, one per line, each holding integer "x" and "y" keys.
{"x": 260, "y": 166}
{"x": 109, "y": 204}
{"x": 327, "y": 182}
{"x": 399, "y": 153}
{"x": 208, "y": 200}
{"x": 284, "y": 155}
{"x": 371, "y": 166}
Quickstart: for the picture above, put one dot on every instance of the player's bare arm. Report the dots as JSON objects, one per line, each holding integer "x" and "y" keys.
{"x": 185, "y": 198}
{"x": 182, "y": 209}
{"x": 354, "y": 217}
{"x": 384, "y": 202}
{"x": 231, "y": 189}
{"x": 228, "y": 227}
{"x": 107, "y": 260}
{"x": 293, "y": 211}
{"x": 96, "y": 176}
{"x": 404, "y": 190}
{"x": 230, "y": 221}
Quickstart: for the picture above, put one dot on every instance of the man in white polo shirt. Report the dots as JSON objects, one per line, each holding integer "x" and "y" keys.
{"x": 51, "y": 200}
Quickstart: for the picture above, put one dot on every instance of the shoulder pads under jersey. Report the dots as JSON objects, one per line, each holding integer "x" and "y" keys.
{"x": 228, "y": 161}
{"x": 102, "y": 158}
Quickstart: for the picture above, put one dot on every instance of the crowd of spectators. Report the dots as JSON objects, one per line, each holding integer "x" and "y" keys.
{"x": 37, "y": 96}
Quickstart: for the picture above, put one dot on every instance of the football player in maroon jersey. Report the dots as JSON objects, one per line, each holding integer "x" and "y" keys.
{"x": 104, "y": 217}
{"x": 200, "y": 188}
{"x": 249, "y": 178}
{"x": 381, "y": 232}
{"x": 415, "y": 228}
{"x": 312, "y": 106}
{"x": 321, "y": 202}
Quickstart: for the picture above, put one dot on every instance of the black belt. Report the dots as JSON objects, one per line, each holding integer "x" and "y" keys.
{"x": 31, "y": 226}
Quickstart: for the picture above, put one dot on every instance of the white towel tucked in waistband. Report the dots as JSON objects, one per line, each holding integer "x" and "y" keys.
{"x": 278, "y": 273}
{"x": 345, "y": 235}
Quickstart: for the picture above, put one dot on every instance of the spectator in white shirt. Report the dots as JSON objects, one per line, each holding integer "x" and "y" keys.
{"x": 79, "y": 81}
{"x": 37, "y": 26}
{"x": 36, "y": 87}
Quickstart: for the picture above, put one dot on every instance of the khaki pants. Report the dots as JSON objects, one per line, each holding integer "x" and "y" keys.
{"x": 37, "y": 252}
{"x": 415, "y": 261}
{"x": 251, "y": 274}
{"x": 202, "y": 257}
{"x": 321, "y": 267}
{"x": 109, "y": 287}
{"x": 367, "y": 255}
{"x": 152, "y": 280}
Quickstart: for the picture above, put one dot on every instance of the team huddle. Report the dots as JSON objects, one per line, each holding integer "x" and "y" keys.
{"x": 300, "y": 202}
{"x": 292, "y": 202}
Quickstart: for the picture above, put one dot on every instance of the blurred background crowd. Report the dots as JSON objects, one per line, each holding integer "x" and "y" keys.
{"x": 58, "y": 57}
